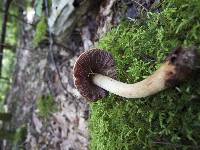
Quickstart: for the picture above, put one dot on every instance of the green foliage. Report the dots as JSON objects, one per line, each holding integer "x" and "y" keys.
{"x": 49, "y": 3}
{"x": 40, "y": 33}
{"x": 46, "y": 106}
{"x": 8, "y": 64}
{"x": 8, "y": 55}
{"x": 17, "y": 137}
{"x": 168, "y": 120}
{"x": 20, "y": 134}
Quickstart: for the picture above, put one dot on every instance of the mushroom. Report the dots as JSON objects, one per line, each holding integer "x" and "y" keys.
{"x": 95, "y": 74}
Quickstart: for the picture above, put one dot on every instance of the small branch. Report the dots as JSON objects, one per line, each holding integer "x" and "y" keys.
{"x": 50, "y": 53}
{"x": 5, "y": 79}
{"x": 166, "y": 143}
{"x": 140, "y": 5}
{"x": 3, "y": 30}
{"x": 5, "y": 116}
{"x": 175, "y": 145}
{"x": 8, "y": 46}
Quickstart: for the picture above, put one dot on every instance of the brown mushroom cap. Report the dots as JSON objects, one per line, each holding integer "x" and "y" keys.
{"x": 88, "y": 63}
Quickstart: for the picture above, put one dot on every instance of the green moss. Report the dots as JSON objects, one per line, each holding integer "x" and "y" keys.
{"x": 168, "y": 120}
{"x": 17, "y": 137}
{"x": 20, "y": 134}
{"x": 46, "y": 106}
{"x": 41, "y": 31}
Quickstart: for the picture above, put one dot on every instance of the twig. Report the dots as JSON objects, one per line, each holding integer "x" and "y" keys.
{"x": 51, "y": 57}
{"x": 5, "y": 79}
{"x": 175, "y": 145}
{"x": 140, "y": 5}
{"x": 3, "y": 30}
{"x": 60, "y": 45}
{"x": 8, "y": 46}
{"x": 50, "y": 54}
{"x": 166, "y": 143}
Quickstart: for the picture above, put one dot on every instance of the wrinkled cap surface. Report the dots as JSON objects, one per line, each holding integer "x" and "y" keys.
{"x": 88, "y": 63}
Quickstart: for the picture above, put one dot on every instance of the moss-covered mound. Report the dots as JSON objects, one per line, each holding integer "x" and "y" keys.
{"x": 168, "y": 120}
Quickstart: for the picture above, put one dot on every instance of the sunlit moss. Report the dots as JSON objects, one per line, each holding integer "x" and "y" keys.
{"x": 7, "y": 70}
{"x": 46, "y": 106}
{"x": 40, "y": 33}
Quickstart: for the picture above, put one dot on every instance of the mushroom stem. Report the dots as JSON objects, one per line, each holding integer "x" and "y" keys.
{"x": 95, "y": 69}
{"x": 149, "y": 86}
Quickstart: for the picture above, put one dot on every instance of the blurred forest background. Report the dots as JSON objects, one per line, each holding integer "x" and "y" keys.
{"x": 9, "y": 35}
